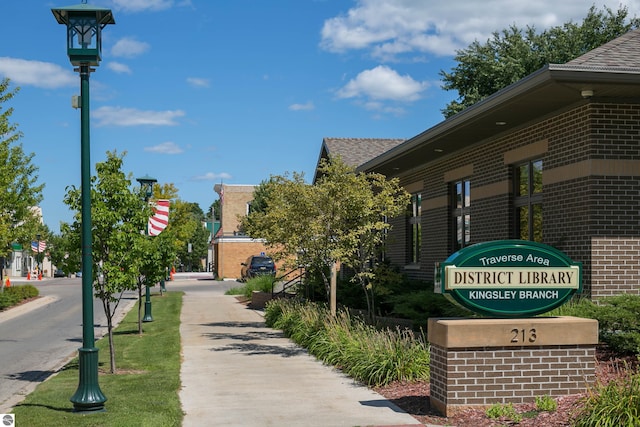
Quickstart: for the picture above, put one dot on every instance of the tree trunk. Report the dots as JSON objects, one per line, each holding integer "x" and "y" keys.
{"x": 112, "y": 347}
{"x": 139, "y": 309}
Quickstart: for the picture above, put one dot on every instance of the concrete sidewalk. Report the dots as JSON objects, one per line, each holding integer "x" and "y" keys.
{"x": 236, "y": 372}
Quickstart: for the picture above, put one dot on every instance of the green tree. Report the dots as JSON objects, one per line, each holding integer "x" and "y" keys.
{"x": 342, "y": 218}
{"x": 514, "y": 53}
{"x": 187, "y": 226}
{"x": 119, "y": 215}
{"x": 64, "y": 250}
{"x": 19, "y": 191}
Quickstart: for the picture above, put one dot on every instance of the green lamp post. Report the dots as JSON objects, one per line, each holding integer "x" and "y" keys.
{"x": 146, "y": 183}
{"x": 84, "y": 44}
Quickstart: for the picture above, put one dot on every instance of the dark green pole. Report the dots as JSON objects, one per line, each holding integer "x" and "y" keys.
{"x": 147, "y": 306}
{"x": 88, "y": 397}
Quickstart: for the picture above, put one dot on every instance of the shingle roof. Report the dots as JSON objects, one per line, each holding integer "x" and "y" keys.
{"x": 356, "y": 151}
{"x": 623, "y": 52}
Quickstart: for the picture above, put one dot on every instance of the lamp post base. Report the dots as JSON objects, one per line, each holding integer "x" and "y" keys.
{"x": 88, "y": 397}
{"x": 147, "y": 307}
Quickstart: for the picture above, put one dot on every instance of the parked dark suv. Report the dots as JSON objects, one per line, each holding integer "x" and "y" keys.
{"x": 257, "y": 265}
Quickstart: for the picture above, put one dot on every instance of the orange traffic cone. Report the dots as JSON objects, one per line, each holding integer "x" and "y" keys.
{"x": 7, "y": 282}
{"x": 28, "y": 275}
{"x": 39, "y": 276}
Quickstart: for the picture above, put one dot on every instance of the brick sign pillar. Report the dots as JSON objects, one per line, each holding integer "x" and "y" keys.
{"x": 479, "y": 362}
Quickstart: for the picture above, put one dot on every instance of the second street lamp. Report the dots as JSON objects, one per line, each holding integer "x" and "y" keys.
{"x": 84, "y": 45}
{"x": 146, "y": 183}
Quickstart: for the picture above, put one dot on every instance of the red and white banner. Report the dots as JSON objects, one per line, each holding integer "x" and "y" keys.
{"x": 160, "y": 218}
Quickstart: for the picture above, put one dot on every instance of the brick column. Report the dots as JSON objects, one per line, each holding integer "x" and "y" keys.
{"x": 479, "y": 362}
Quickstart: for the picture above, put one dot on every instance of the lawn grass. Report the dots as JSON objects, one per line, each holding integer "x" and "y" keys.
{"x": 144, "y": 392}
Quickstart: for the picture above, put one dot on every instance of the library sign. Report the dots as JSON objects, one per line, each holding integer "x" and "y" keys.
{"x": 509, "y": 278}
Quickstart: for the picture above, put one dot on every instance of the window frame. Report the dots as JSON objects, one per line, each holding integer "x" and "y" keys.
{"x": 414, "y": 229}
{"x": 460, "y": 210}
{"x": 532, "y": 201}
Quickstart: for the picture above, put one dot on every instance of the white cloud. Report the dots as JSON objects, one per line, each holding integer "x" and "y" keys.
{"x": 165, "y": 148}
{"x": 142, "y": 5}
{"x": 129, "y": 47}
{"x": 198, "y": 82}
{"x": 118, "y": 67}
{"x": 119, "y": 116}
{"x": 383, "y": 84}
{"x": 210, "y": 176}
{"x": 388, "y": 28}
{"x": 301, "y": 107}
{"x": 46, "y": 75}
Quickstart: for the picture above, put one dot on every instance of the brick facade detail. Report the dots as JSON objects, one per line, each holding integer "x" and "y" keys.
{"x": 479, "y": 377}
{"x": 591, "y": 193}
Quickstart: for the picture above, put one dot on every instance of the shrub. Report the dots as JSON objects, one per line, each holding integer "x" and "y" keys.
{"x": 612, "y": 405}
{"x": 619, "y": 322}
{"x": 503, "y": 411}
{"x": 420, "y": 305}
{"x": 375, "y": 357}
{"x": 262, "y": 283}
{"x": 546, "y": 403}
{"x": 15, "y": 294}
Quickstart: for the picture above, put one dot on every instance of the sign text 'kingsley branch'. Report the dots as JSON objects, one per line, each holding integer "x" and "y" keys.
{"x": 509, "y": 278}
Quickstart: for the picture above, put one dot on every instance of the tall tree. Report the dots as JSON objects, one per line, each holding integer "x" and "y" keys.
{"x": 339, "y": 219}
{"x": 514, "y": 53}
{"x": 118, "y": 216}
{"x": 187, "y": 226}
{"x": 19, "y": 191}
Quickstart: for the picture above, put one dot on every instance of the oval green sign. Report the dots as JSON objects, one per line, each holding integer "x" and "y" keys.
{"x": 509, "y": 278}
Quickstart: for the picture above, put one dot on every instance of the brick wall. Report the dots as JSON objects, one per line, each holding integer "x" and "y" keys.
{"x": 479, "y": 377}
{"x": 234, "y": 205}
{"x": 615, "y": 264}
{"x": 230, "y": 252}
{"x": 591, "y": 189}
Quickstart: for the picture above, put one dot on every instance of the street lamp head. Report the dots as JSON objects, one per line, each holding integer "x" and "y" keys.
{"x": 84, "y": 26}
{"x": 146, "y": 182}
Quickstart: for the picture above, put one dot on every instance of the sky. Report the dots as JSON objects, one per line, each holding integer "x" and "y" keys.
{"x": 199, "y": 92}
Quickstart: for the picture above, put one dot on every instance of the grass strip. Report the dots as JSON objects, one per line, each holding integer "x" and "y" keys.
{"x": 145, "y": 390}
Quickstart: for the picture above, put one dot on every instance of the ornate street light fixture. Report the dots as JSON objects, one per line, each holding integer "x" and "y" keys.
{"x": 146, "y": 183}
{"x": 84, "y": 45}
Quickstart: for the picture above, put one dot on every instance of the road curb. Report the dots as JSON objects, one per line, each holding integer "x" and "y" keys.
{"x": 21, "y": 309}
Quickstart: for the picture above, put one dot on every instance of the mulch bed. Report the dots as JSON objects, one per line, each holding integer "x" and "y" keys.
{"x": 413, "y": 398}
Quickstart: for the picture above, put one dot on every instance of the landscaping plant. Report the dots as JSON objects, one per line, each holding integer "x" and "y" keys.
{"x": 374, "y": 357}
{"x": 612, "y": 405}
{"x": 16, "y": 294}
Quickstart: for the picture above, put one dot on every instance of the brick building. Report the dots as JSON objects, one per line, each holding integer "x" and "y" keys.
{"x": 231, "y": 245}
{"x": 553, "y": 158}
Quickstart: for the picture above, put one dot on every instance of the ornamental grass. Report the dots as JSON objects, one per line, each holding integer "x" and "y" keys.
{"x": 372, "y": 356}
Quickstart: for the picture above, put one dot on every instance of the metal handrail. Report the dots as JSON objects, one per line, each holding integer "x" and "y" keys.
{"x": 297, "y": 279}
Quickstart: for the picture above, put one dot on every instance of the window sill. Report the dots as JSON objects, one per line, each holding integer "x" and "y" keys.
{"x": 412, "y": 267}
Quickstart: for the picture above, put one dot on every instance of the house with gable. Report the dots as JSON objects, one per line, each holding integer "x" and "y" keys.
{"x": 553, "y": 158}
{"x": 354, "y": 151}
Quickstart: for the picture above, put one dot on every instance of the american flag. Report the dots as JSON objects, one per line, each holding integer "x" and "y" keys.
{"x": 39, "y": 246}
{"x": 160, "y": 218}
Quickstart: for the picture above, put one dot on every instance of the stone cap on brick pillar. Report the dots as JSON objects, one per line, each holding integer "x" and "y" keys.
{"x": 535, "y": 331}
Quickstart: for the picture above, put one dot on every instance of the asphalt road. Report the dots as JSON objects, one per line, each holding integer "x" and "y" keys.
{"x": 35, "y": 343}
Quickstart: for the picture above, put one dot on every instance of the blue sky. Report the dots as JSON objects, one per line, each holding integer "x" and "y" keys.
{"x": 199, "y": 92}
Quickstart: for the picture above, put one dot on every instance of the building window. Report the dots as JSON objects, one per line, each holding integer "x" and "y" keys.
{"x": 415, "y": 230}
{"x": 528, "y": 201}
{"x": 461, "y": 210}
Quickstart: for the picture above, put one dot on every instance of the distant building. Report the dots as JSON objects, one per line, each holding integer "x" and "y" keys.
{"x": 231, "y": 245}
